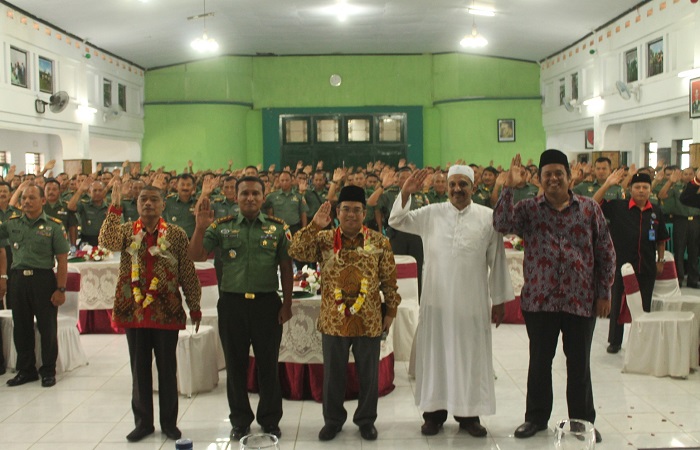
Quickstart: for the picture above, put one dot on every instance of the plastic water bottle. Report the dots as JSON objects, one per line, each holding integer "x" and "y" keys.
{"x": 184, "y": 444}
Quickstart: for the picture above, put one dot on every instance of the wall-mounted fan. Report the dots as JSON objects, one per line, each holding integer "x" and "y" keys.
{"x": 57, "y": 103}
{"x": 113, "y": 113}
{"x": 571, "y": 104}
{"x": 626, "y": 92}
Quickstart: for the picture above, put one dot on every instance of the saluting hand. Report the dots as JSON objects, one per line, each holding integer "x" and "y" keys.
{"x": 414, "y": 182}
{"x": 514, "y": 176}
{"x": 323, "y": 216}
{"x": 205, "y": 215}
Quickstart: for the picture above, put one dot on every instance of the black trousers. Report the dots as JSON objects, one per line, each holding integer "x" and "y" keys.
{"x": 646, "y": 288}
{"x": 336, "y": 351}
{"x": 30, "y": 297}
{"x": 543, "y": 330}
{"x": 408, "y": 244}
{"x": 440, "y": 416}
{"x": 686, "y": 235}
{"x": 143, "y": 344}
{"x": 242, "y": 323}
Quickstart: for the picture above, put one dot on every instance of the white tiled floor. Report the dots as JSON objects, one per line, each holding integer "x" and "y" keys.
{"x": 89, "y": 408}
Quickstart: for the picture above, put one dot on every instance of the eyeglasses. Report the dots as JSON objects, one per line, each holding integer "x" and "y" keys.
{"x": 355, "y": 211}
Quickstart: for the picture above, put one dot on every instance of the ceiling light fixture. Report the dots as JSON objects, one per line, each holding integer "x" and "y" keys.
{"x": 474, "y": 40}
{"x": 595, "y": 101}
{"x": 342, "y": 10}
{"x": 481, "y": 11}
{"x": 204, "y": 44}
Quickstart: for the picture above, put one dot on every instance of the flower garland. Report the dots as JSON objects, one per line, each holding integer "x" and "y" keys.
{"x": 160, "y": 249}
{"x": 355, "y": 308}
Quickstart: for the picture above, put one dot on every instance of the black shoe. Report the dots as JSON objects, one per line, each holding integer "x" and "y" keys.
{"x": 238, "y": 432}
{"x": 48, "y": 381}
{"x": 368, "y": 432}
{"x": 328, "y": 432}
{"x": 613, "y": 348}
{"x": 22, "y": 378}
{"x": 273, "y": 429}
{"x": 473, "y": 427}
{"x": 528, "y": 429}
{"x": 598, "y": 437}
{"x": 139, "y": 433}
{"x": 430, "y": 428}
{"x": 173, "y": 433}
{"x": 2, "y": 369}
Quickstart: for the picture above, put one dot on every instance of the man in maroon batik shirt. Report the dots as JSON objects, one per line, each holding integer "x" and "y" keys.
{"x": 569, "y": 267}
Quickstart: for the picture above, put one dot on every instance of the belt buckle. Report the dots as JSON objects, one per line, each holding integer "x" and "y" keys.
{"x": 690, "y": 217}
{"x": 27, "y": 273}
{"x": 249, "y": 296}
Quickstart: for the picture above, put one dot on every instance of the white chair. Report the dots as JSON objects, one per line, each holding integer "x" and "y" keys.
{"x": 210, "y": 297}
{"x": 196, "y": 361}
{"x": 667, "y": 295}
{"x": 659, "y": 343}
{"x": 70, "y": 349}
{"x": 406, "y": 322}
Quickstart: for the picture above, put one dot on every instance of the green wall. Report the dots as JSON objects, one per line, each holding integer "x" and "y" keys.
{"x": 211, "y": 111}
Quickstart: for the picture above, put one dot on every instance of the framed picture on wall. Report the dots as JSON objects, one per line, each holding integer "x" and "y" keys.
{"x": 106, "y": 93}
{"x": 631, "y": 66}
{"x": 506, "y": 130}
{"x": 694, "y": 98}
{"x": 655, "y": 57}
{"x": 45, "y": 75}
{"x": 588, "y": 144}
{"x": 18, "y": 67}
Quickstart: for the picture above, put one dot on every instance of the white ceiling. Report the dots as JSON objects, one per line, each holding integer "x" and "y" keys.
{"x": 154, "y": 33}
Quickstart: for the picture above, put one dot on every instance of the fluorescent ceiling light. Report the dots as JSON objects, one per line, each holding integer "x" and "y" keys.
{"x": 692, "y": 73}
{"x": 342, "y": 10}
{"x": 481, "y": 11}
{"x": 205, "y": 44}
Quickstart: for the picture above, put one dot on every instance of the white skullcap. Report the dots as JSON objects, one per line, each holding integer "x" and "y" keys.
{"x": 461, "y": 170}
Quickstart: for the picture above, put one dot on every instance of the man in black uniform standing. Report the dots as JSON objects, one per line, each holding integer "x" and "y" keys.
{"x": 638, "y": 232}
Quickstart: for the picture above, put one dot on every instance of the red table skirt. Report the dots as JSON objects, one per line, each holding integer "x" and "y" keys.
{"x": 305, "y": 381}
{"x": 97, "y": 321}
{"x": 513, "y": 312}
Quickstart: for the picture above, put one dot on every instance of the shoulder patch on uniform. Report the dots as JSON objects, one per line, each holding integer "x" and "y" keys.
{"x": 53, "y": 219}
{"x": 15, "y": 216}
{"x": 84, "y": 200}
{"x": 222, "y": 220}
{"x": 276, "y": 219}
{"x": 171, "y": 195}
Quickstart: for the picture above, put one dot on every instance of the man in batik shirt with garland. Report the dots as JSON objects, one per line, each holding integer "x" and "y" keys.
{"x": 154, "y": 264}
{"x": 355, "y": 264}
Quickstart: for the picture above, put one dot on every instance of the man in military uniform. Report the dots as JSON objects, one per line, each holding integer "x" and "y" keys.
{"x": 357, "y": 264}
{"x": 225, "y": 205}
{"x": 521, "y": 191}
{"x": 318, "y": 194}
{"x": 253, "y": 246}
{"x": 179, "y": 207}
{"x": 93, "y": 212}
{"x": 57, "y": 208}
{"x": 484, "y": 191}
{"x": 686, "y": 226}
{"x": 401, "y": 243}
{"x": 34, "y": 289}
{"x": 602, "y": 170}
{"x": 130, "y": 201}
{"x": 438, "y": 193}
{"x": 7, "y": 210}
{"x": 287, "y": 205}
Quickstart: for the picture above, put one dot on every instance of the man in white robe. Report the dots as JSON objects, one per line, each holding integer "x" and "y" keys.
{"x": 464, "y": 274}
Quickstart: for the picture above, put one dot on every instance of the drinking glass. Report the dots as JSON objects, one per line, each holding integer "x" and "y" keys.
{"x": 260, "y": 441}
{"x": 574, "y": 434}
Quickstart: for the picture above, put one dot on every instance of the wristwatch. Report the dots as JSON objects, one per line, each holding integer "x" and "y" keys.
{"x": 61, "y": 289}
